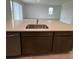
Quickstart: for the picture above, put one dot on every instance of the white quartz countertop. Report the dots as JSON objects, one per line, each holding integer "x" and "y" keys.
{"x": 53, "y": 25}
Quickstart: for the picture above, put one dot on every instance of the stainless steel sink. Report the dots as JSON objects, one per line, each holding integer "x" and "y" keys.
{"x": 36, "y": 26}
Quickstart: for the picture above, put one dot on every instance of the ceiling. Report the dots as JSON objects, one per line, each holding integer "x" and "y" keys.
{"x": 48, "y": 2}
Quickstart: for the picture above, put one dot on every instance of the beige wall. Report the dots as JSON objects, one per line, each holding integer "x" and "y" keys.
{"x": 67, "y": 12}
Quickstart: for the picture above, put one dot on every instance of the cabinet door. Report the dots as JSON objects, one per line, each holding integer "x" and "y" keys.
{"x": 63, "y": 42}
{"x": 31, "y": 44}
{"x": 13, "y": 44}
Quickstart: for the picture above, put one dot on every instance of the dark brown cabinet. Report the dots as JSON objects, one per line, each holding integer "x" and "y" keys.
{"x": 24, "y": 43}
{"x": 13, "y": 44}
{"x": 63, "y": 41}
{"x": 36, "y": 42}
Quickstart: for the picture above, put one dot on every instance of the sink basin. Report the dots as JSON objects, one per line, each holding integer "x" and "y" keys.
{"x": 36, "y": 26}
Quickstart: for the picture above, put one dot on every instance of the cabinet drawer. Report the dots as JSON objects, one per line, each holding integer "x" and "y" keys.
{"x": 66, "y": 38}
{"x": 64, "y": 33}
{"x": 36, "y": 34}
{"x": 12, "y": 34}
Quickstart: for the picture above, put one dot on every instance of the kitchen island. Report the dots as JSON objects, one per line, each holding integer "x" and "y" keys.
{"x": 58, "y": 38}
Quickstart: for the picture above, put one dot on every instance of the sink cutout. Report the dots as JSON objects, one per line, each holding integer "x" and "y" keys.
{"x": 36, "y": 26}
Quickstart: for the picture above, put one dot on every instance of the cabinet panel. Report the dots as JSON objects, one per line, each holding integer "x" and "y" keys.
{"x": 63, "y": 42}
{"x": 36, "y": 45}
{"x": 13, "y": 44}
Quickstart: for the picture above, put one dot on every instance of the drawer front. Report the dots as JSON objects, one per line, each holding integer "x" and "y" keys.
{"x": 64, "y": 34}
{"x": 36, "y": 34}
{"x": 12, "y": 34}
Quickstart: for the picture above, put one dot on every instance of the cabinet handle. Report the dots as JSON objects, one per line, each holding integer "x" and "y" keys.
{"x": 11, "y": 35}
